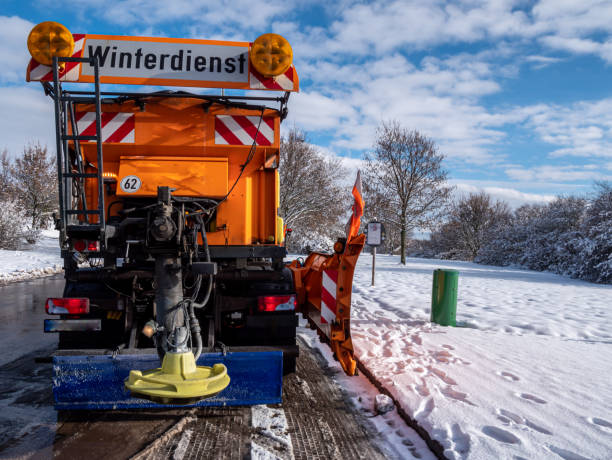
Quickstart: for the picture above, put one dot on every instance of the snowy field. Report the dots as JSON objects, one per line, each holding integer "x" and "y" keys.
{"x": 526, "y": 376}
{"x": 40, "y": 259}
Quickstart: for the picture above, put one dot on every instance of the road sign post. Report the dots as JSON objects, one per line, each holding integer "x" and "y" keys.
{"x": 375, "y": 232}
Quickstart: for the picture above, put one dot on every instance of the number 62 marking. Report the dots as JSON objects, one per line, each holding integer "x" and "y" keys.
{"x": 130, "y": 184}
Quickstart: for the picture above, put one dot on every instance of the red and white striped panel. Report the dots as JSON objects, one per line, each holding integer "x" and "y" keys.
{"x": 283, "y": 82}
{"x": 40, "y": 72}
{"x": 116, "y": 127}
{"x": 241, "y": 130}
{"x": 328, "y": 296}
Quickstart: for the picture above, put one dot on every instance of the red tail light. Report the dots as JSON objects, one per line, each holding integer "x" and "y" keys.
{"x": 93, "y": 246}
{"x": 67, "y": 306}
{"x": 276, "y": 303}
{"x": 86, "y": 246}
{"x": 79, "y": 245}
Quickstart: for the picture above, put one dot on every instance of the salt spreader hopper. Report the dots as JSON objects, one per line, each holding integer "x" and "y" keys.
{"x": 177, "y": 292}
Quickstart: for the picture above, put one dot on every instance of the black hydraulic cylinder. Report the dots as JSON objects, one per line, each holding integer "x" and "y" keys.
{"x": 169, "y": 293}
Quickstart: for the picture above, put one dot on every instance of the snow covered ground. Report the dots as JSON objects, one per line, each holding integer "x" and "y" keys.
{"x": 526, "y": 376}
{"x": 40, "y": 259}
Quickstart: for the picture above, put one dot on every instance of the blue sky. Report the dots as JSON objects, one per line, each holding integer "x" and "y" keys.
{"x": 517, "y": 94}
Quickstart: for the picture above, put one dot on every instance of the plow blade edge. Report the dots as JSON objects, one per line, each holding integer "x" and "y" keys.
{"x": 324, "y": 283}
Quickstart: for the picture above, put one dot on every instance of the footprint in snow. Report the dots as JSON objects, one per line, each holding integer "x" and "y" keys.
{"x": 509, "y": 376}
{"x": 565, "y": 454}
{"x": 600, "y": 422}
{"x": 460, "y": 440}
{"x": 456, "y": 395}
{"x": 508, "y": 417}
{"x": 533, "y": 398}
{"x": 442, "y": 376}
{"x": 500, "y": 435}
{"x": 425, "y": 408}
{"x": 421, "y": 388}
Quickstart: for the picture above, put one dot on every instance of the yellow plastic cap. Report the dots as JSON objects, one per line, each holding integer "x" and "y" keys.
{"x": 271, "y": 55}
{"x": 49, "y": 39}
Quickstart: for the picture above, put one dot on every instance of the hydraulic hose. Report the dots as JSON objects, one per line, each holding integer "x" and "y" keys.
{"x": 194, "y": 325}
{"x": 210, "y": 278}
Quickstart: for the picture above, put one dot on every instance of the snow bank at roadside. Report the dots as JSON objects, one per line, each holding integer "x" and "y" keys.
{"x": 527, "y": 376}
{"x": 40, "y": 259}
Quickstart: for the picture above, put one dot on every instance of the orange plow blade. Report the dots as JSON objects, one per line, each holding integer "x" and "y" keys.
{"x": 324, "y": 284}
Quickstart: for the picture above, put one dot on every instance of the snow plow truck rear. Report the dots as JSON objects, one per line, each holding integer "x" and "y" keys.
{"x": 177, "y": 292}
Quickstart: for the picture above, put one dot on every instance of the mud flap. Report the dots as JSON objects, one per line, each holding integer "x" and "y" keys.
{"x": 324, "y": 284}
{"x": 96, "y": 381}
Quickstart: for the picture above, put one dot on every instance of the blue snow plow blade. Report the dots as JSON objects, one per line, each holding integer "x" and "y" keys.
{"x": 96, "y": 381}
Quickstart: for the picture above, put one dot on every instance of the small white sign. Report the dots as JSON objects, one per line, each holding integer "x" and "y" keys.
{"x": 130, "y": 184}
{"x": 374, "y": 237}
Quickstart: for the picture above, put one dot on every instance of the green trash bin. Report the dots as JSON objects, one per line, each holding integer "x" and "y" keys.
{"x": 444, "y": 297}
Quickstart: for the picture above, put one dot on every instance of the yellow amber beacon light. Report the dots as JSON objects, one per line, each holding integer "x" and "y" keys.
{"x": 49, "y": 39}
{"x": 271, "y": 55}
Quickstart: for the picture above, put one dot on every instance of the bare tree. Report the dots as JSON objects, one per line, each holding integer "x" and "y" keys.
{"x": 35, "y": 187}
{"x": 311, "y": 199}
{"x": 476, "y": 217}
{"x": 405, "y": 180}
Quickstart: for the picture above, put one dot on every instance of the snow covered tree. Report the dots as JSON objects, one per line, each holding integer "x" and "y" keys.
{"x": 551, "y": 242}
{"x": 540, "y": 237}
{"x": 312, "y": 201}
{"x": 34, "y": 179}
{"x": 472, "y": 221}
{"x": 6, "y": 180}
{"x": 477, "y": 218}
{"x": 595, "y": 258}
{"x": 404, "y": 181}
{"x": 11, "y": 224}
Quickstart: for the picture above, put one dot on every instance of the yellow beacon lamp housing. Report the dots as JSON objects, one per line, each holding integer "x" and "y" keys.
{"x": 271, "y": 55}
{"x": 49, "y": 39}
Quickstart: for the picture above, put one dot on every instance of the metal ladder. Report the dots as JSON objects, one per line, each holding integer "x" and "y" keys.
{"x": 70, "y": 169}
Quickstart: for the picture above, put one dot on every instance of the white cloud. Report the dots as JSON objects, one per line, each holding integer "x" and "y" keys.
{"x": 14, "y": 55}
{"x": 558, "y": 173}
{"x": 582, "y": 129}
{"x": 223, "y": 15}
{"x": 383, "y": 26}
{"x": 539, "y": 62}
{"x": 313, "y": 111}
{"x": 26, "y": 116}
{"x": 512, "y": 196}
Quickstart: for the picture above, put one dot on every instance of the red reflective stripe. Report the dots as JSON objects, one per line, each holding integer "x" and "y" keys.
{"x": 266, "y": 82}
{"x": 270, "y": 122}
{"x": 333, "y": 275}
{"x": 251, "y": 129}
{"x": 104, "y": 120}
{"x": 79, "y": 115}
{"x": 226, "y": 133}
{"x": 329, "y": 300}
{"x": 126, "y": 128}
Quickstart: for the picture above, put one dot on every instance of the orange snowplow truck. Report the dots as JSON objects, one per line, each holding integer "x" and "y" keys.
{"x": 168, "y": 216}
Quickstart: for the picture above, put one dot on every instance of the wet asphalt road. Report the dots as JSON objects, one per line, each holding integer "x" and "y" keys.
{"x": 321, "y": 423}
{"x": 22, "y": 311}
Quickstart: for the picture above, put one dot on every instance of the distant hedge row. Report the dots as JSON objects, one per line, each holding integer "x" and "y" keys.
{"x": 570, "y": 236}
